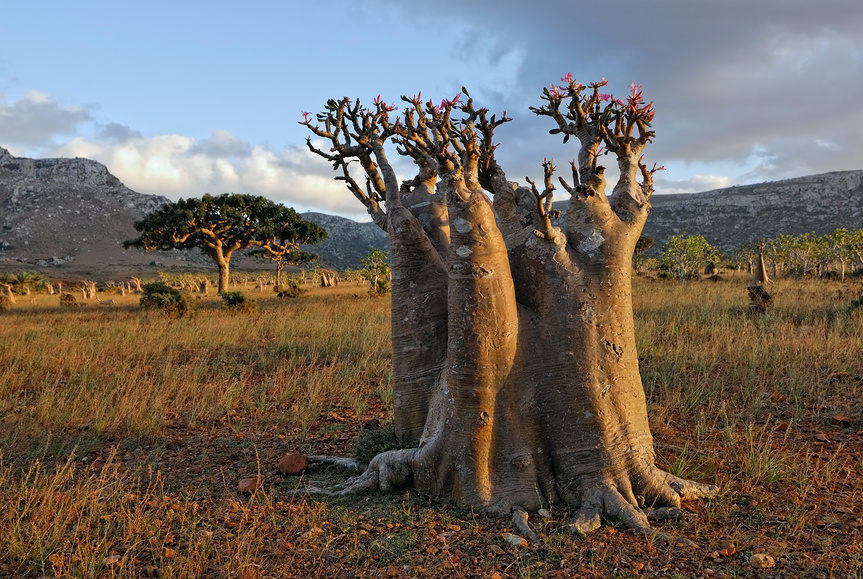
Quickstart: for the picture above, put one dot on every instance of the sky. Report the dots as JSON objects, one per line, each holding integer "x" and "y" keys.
{"x": 183, "y": 98}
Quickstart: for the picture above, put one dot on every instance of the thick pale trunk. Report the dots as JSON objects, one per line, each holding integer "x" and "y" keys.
{"x": 515, "y": 373}
{"x": 224, "y": 273}
{"x": 531, "y": 394}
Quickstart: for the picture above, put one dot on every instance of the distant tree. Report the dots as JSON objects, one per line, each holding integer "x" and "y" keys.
{"x": 845, "y": 248}
{"x": 284, "y": 249}
{"x": 639, "y": 263}
{"x": 29, "y": 280}
{"x": 217, "y": 225}
{"x": 684, "y": 255}
{"x": 7, "y": 280}
{"x": 376, "y": 270}
{"x": 643, "y": 244}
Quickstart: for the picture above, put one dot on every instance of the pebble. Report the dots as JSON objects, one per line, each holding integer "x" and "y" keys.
{"x": 761, "y": 561}
{"x": 514, "y": 540}
{"x": 250, "y": 485}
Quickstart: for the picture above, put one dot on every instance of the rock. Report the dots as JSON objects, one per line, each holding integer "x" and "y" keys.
{"x": 514, "y": 540}
{"x": 293, "y": 463}
{"x": 110, "y": 560}
{"x": 842, "y": 420}
{"x": 250, "y": 485}
{"x": 761, "y": 561}
{"x": 727, "y": 549}
{"x": 496, "y": 550}
{"x": 312, "y": 533}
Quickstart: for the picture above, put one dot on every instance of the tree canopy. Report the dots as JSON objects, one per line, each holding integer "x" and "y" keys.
{"x": 221, "y": 225}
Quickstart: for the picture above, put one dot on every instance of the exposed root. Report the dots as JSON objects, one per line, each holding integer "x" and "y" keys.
{"x": 519, "y": 519}
{"x": 606, "y": 500}
{"x": 690, "y": 490}
{"x": 387, "y": 471}
{"x": 629, "y": 511}
{"x": 347, "y": 463}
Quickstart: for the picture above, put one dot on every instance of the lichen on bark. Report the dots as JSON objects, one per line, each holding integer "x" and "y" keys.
{"x": 515, "y": 372}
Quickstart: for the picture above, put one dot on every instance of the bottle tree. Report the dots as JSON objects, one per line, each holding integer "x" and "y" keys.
{"x": 515, "y": 373}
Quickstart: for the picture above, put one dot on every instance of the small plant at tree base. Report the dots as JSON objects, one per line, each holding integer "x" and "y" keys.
{"x": 238, "y": 302}
{"x": 373, "y": 441}
{"x": 166, "y": 300}
{"x": 290, "y": 289}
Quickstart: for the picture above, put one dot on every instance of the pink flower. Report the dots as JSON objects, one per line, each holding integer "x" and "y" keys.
{"x": 306, "y": 116}
{"x": 567, "y": 78}
{"x": 604, "y": 97}
{"x": 634, "y": 88}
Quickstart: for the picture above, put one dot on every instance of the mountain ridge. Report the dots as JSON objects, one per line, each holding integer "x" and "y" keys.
{"x": 69, "y": 217}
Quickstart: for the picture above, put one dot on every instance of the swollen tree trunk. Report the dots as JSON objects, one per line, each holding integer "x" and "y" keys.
{"x": 515, "y": 372}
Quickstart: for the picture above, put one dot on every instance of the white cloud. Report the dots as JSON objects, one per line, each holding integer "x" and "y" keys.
{"x": 36, "y": 119}
{"x": 695, "y": 184}
{"x": 178, "y": 166}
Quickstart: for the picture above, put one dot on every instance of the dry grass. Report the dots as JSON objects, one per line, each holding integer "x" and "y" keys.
{"x": 127, "y": 433}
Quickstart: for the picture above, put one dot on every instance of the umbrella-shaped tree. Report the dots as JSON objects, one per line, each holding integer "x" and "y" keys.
{"x": 219, "y": 226}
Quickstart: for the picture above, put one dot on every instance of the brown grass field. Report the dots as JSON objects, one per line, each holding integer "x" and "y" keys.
{"x": 125, "y": 436}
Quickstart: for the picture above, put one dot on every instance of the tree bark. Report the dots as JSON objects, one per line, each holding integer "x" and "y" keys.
{"x": 515, "y": 372}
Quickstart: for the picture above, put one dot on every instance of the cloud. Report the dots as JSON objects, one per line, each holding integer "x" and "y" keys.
{"x": 695, "y": 184}
{"x": 179, "y": 166}
{"x": 221, "y": 144}
{"x": 115, "y": 132}
{"x": 36, "y": 119}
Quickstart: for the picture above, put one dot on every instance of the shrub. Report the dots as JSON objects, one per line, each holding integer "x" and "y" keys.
{"x": 166, "y": 300}
{"x": 372, "y": 442}
{"x": 383, "y": 287}
{"x": 68, "y": 300}
{"x": 5, "y": 302}
{"x": 290, "y": 289}
{"x": 238, "y": 302}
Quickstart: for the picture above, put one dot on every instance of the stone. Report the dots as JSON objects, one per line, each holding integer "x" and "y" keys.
{"x": 293, "y": 463}
{"x": 250, "y": 485}
{"x": 762, "y": 561}
{"x": 514, "y": 540}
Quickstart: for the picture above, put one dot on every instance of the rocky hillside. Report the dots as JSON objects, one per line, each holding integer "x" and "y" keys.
{"x": 69, "y": 218}
{"x": 60, "y": 211}
{"x": 744, "y": 214}
{"x": 347, "y": 241}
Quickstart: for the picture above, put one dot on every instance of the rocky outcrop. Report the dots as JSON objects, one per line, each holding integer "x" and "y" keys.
{"x": 730, "y": 217}
{"x": 76, "y": 171}
{"x": 347, "y": 241}
{"x": 64, "y": 213}
{"x": 58, "y": 208}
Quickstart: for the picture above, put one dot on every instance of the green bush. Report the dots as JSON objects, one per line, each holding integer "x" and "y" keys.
{"x": 68, "y": 300}
{"x": 290, "y": 289}
{"x": 238, "y": 302}
{"x": 168, "y": 301}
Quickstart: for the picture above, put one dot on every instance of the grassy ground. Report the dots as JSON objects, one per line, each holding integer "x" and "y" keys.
{"x": 126, "y": 435}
